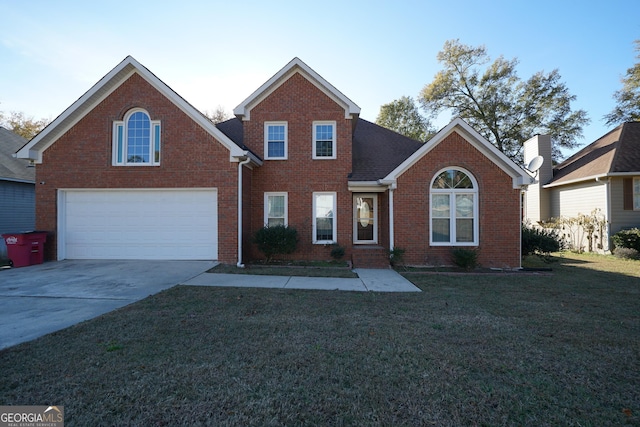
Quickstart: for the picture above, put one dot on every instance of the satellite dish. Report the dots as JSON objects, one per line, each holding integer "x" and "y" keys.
{"x": 535, "y": 164}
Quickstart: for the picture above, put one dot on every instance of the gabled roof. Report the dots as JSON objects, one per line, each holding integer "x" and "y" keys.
{"x": 616, "y": 153}
{"x": 519, "y": 176}
{"x": 110, "y": 82}
{"x": 12, "y": 169}
{"x": 243, "y": 111}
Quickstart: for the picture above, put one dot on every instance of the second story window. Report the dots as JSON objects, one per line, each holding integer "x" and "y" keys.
{"x": 275, "y": 140}
{"x": 324, "y": 140}
{"x": 136, "y": 140}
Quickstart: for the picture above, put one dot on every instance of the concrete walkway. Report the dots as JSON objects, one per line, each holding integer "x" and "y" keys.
{"x": 44, "y": 298}
{"x": 368, "y": 280}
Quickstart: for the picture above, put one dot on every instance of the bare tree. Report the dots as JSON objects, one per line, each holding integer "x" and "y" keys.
{"x": 217, "y": 116}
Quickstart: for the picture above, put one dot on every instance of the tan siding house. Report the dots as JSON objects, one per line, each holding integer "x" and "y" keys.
{"x": 604, "y": 176}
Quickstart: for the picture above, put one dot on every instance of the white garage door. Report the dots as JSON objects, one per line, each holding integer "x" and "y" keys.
{"x": 139, "y": 224}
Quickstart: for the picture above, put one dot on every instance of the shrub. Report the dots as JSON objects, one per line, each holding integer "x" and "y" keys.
{"x": 396, "y": 256}
{"x": 465, "y": 258}
{"x": 581, "y": 229}
{"x": 539, "y": 241}
{"x": 626, "y": 253}
{"x": 337, "y": 253}
{"x": 276, "y": 240}
{"x": 627, "y": 239}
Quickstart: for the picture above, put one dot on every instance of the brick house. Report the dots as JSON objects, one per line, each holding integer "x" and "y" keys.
{"x": 132, "y": 170}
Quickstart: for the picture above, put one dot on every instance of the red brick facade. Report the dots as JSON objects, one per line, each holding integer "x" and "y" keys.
{"x": 190, "y": 157}
{"x": 300, "y": 103}
{"x": 499, "y": 207}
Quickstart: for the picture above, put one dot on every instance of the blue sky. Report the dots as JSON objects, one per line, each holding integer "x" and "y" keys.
{"x": 217, "y": 53}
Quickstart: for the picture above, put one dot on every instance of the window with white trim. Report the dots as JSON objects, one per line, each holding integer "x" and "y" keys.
{"x": 275, "y": 140}
{"x": 275, "y": 209}
{"x": 636, "y": 194}
{"x": 324, "y": 218}
{"x": 136, "y": 140}
{"x": 454, "y": 209}
{"x": 324, "y": 140}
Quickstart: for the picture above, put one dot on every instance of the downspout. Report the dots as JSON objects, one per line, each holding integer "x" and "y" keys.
{"x": 392, "y": 187}
{"x": 521, "y": 198}
{"x": 240, "y": 165}
{"x": 607, "y": 198}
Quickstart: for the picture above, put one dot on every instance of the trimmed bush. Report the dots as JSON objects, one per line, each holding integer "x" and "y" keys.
{"x": 539, "y": 241}
{"x": 465, "y": 258}
{"x": 627, "y": 239}
{"x": 396, "y": 256}
{"x": 626, "y": 253}
{"x": 337, "y": 253}
{"x": 276, "y": 240}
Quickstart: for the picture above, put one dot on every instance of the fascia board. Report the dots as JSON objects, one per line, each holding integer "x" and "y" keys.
{"x": 367, "y": 187}
{"x": 577, "y": 180}
{"x": 295, "y": 66}
{"x": 518, "y": 175}
{"x": 34, "y": 148}
{"x": 101, "y": 90}
{"x": 21, "y": 181}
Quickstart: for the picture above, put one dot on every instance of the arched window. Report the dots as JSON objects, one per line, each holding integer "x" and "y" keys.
{"x": 454, "y": 208}
{"x": 136, "y": 140}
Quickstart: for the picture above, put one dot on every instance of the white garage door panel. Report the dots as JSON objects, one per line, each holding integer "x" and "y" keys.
{"x": 130, "y": 224}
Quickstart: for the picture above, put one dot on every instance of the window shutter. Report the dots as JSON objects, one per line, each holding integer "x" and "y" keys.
{"x": 627, "y": 193}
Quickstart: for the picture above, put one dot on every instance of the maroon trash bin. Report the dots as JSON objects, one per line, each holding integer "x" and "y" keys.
{"x": 25, "y": 249}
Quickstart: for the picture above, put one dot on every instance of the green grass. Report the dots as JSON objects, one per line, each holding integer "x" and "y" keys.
{"x": 549, "y": 349}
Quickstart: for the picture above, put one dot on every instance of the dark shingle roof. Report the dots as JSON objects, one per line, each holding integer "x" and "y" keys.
{"x": 13, "y": 169}
{"x": 378, "y": 151}
{"x": 233, "y": 129}
{"x": 616, "y": 152}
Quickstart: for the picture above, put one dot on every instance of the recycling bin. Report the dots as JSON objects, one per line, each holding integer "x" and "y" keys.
{"x": 24, "y": 249}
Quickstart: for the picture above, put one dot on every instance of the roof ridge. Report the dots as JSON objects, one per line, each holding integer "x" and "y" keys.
{"x": 618, "y": 146}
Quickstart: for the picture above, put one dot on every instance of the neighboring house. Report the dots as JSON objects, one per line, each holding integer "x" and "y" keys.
{"x": 605, "y": 175}
{"x": 17, "y": 182}
{"x": 132, "y": 170}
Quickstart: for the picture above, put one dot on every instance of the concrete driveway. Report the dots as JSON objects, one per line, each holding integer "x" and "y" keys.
{"x": 41, "y": 299}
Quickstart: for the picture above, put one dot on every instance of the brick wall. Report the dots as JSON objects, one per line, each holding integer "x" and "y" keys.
{"x": 499, "y": 207}
{"x": 300, "y": 103}
{"x": 190, "y": 157}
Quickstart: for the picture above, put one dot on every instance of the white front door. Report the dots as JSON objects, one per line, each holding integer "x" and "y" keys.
{"x": 365, "y": 218}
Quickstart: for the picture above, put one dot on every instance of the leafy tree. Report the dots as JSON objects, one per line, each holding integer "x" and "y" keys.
{"x": 498, "y": 104}
{"x": 217, "y": 116}
{"x": 627, "y": 108}
{"x": 403, "y": 116}
{"x": 26, "y": 127}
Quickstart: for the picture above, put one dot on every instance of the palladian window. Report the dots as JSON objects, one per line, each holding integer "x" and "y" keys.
{"x": 136, "y": 140}
{"x": 454, "y": 209}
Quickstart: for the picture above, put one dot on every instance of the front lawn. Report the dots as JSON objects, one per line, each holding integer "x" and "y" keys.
{"x": 559, "y": 348}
